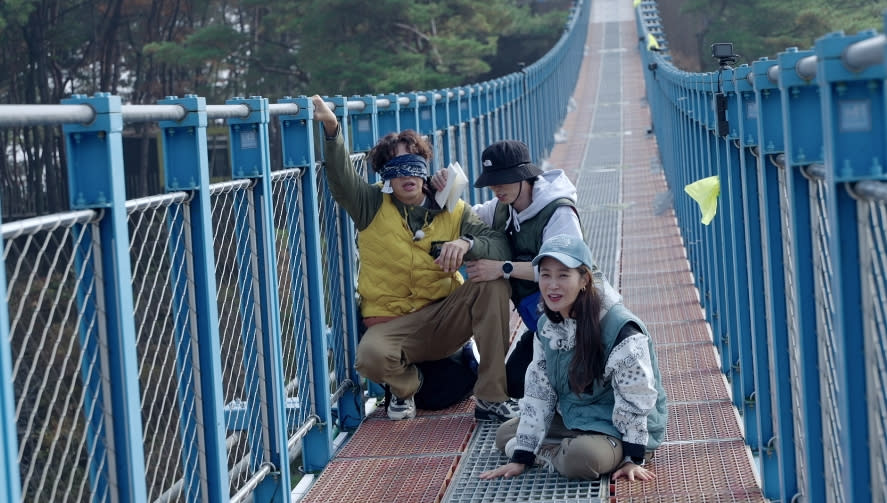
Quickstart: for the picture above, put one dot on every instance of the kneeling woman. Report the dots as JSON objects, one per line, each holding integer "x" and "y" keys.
{"x": 594, "y": 402}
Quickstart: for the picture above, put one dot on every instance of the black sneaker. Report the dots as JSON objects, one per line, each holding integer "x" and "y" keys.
{"x": 496, "y": 411}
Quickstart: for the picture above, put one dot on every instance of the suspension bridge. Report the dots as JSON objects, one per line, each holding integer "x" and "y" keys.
{"x": 198, "y": 344}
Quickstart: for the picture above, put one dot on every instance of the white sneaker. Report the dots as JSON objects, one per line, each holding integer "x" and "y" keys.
{"x": 544, "y": 458}
{"x": 401, "y": 408}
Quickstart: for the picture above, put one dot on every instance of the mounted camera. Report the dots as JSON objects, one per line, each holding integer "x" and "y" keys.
{"x": 723, "y": 52}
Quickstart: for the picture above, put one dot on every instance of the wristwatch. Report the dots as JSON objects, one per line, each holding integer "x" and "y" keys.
{"x": 468, "y": 238}
{"x": 507, "y": 267}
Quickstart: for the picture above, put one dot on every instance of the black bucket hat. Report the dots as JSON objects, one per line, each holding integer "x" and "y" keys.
{"x": 506, "y": 161}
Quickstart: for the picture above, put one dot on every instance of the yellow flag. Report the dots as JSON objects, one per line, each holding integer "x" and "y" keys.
{"x": 636, "y": 3}
{"x": 705, "y": 192}
{"x": 652, "y": 43}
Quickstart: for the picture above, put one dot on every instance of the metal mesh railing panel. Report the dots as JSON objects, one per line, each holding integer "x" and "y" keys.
{"x": 332, "y": 223}
{"x": 794, "y": 343}
{"x": 462, "y": 155}
{"x": 874, "y": 269}
{"x": 161, "y": 354}
{"x": 58, "y": 356}
{"x": 349, "y": 253}
{"x": 232, "y": 209}
{"x": 332, "y": 279}
{"x": 291, "y": 277}
{"x": 831, "y": 422}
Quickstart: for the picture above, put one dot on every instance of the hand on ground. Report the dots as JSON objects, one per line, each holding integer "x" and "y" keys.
{"x": 632, "y": 471}
{"x": 507, "y": 471}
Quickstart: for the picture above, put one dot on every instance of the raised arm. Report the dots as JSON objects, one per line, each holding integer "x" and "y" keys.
{"x": 360, "y": 199}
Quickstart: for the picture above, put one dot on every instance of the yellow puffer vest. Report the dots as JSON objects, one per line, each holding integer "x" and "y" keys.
{"x": 398, "y": 275}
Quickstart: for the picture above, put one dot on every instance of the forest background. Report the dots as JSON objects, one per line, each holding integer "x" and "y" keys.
{"x": 145, "y": 50}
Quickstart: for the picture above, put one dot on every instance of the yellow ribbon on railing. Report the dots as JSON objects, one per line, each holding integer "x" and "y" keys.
{"x": 705, "y": 192}
{"x": 652, "y": 43}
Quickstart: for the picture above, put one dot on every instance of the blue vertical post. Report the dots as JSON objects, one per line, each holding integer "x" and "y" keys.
{"x": 427, "y": 111}
{"x": 482, "y": 112}
{"x": 350, "y": 404}
{"x": 512, "y": 88}
{"x": 297, "y": 135}
{"x": 351, "y": 407}
{"x": 409, "y": 113}
{"x": 457, "y": 131}
{"x": 468, "y": 109}
{"x": 10, "y": 478}
{"x": 95, "y": 180}
{"x": 774, "y": 388}
{"x": 364, "y": 124}
{"x": 522, "y": 116}
{"x": 716, "y": 158}
{"x": 533, "y": 114}
{"x": 442, "y": 123}
{"x": 803, "y": 146}
{"x": 509, "y": 126}
{"x": 748, "y": 182}
{"x": 695, "y": 248}
{"x": 186, "y": 165}
{"x": 364, "y": 129}
{"x": 742, "y": 368}
{"x": 250, "y": 158}
{"x": 854, "y": 130}
{"x": 497, "y": 109}
{"x": 388, "y": 117}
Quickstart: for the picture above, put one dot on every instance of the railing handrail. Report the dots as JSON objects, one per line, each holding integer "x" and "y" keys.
{"x": 39, "y": 114}
{"x": 796, "y": 144}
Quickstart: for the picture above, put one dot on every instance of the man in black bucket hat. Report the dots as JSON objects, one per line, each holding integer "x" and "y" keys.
{"x": 530, "y": 205}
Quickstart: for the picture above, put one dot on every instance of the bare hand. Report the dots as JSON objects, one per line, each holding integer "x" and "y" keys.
{"x": 483, "y": 269}
{"x": 451, "y": 253}
{"x": 509, "y": 470}
{"x": 439, "y": 179}
{"x": 633, "y": 472}
{"x": 324, "y": 115}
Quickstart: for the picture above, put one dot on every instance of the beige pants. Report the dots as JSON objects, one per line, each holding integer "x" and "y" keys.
{"x": 580, "y": 455}
{"x": 388, "y": 351}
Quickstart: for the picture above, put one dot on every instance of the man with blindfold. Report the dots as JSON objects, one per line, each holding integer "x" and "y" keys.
{"x": 415, "y": 304}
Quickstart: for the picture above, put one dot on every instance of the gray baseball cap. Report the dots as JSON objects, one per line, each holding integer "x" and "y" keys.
{"x": 569, "y": 250}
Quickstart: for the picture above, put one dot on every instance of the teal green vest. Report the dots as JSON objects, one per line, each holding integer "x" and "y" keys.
{"x": 594, "y": 411}
{"x": 526, "y": 243}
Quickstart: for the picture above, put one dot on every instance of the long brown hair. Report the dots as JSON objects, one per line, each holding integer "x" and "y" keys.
{"x": 589, "y": 360}
{"x": 386, "y": 148}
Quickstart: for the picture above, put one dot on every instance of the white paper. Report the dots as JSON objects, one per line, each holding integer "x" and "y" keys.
{"x": 456, "y": 182}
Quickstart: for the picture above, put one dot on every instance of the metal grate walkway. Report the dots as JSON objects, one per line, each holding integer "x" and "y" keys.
{"x": 437, "y": 457}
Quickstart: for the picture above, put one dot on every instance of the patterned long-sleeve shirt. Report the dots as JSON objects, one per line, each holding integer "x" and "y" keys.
{"x": 629, "y": 371}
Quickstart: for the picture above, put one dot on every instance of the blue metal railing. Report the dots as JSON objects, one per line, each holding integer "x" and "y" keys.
{"x": 190, "y": 345}
{"x": 791, "y": 271}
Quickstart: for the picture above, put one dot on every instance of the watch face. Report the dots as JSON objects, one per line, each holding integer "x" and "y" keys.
{"x": 507, "y": 267}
